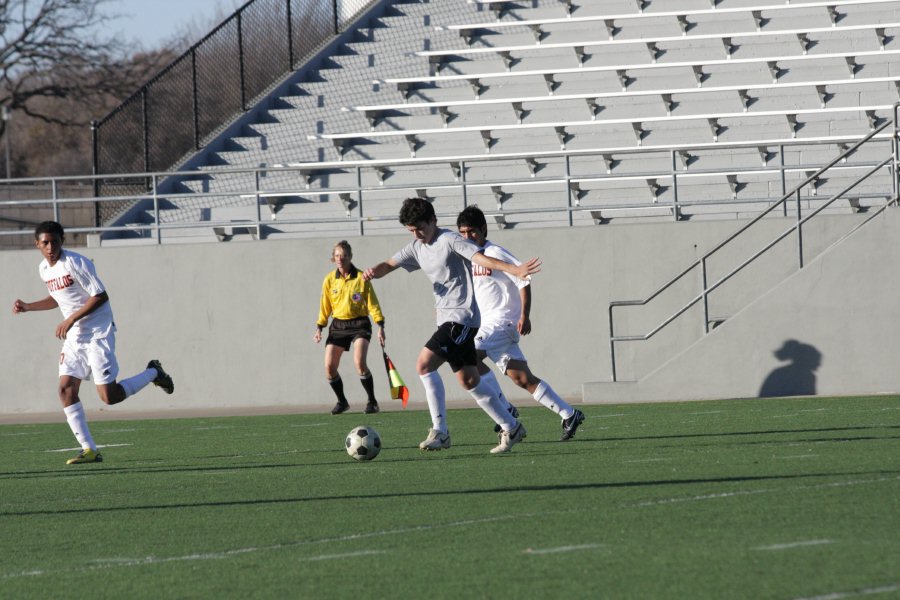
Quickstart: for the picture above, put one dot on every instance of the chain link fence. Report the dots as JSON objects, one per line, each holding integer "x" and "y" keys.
{"x": 193, "y": 99}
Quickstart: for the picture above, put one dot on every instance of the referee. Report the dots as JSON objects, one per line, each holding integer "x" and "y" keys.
{"x": 349, "y": 300}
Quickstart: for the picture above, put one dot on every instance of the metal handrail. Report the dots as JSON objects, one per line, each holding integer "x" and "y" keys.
{"x": 568, "y": 203}
{"x": 701, "y": 262}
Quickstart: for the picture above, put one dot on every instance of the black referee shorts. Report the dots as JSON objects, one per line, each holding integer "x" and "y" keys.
{"x": 343, "y": 332}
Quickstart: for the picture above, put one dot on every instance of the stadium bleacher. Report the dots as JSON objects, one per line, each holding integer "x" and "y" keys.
{"x": 552, "y": 112}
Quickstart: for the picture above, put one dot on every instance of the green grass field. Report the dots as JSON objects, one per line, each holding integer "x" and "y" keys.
{"x": 742, "y": 499}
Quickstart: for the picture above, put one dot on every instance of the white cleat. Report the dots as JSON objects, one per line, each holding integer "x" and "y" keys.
{"x": 508, "y": 439}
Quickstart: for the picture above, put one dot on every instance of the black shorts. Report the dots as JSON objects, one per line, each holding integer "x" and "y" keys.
{"x": 455, "y": 343}
{"x": 343, "y": 333}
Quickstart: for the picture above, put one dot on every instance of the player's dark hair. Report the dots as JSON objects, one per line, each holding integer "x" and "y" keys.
{"x": 51, "y": 227}
{"x": 415, "y": 211}
{"x": 471, "y": 216}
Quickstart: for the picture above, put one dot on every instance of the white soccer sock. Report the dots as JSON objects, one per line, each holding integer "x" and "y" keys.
{"x": 133, "y": 385}
{"x": 78, "y": 424}
{"x": 436, "y": 399}
{"x": 488, "y": 401}
{"x": 544, "y": 394}
{"x": 491, "y": 380}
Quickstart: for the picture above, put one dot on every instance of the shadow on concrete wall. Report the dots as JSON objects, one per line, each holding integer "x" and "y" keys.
{"x": 798, "y": 377}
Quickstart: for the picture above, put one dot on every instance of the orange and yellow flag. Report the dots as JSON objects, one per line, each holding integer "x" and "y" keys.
{"x": 399, "y": 391}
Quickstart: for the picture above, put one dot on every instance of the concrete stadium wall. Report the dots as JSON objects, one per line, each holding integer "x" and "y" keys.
{"x": 233, "y": 322}
{"x": 828, "y": 330}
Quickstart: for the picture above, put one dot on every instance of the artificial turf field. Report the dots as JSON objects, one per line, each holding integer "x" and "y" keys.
{"x": 773, "y": 498}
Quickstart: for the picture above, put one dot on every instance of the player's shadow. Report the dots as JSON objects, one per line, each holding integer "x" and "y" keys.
{"x": 798, "y": 377}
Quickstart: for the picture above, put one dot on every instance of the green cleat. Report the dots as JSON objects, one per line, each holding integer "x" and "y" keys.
{"x": 163, "y": 379}
{"x": 85, "y": 456}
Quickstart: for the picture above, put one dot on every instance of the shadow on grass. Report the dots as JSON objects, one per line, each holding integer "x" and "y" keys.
{"x": 553, "y": 447}
{"x": 463, "y": 492}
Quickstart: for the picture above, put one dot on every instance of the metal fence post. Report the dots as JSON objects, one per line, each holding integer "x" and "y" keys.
{"x": 290, "y": 35}
{"x": 704, "y": 280}
{"x": 569, "y": 190}
{"x": 156, "y": 228}
{"x": 145, "y": 124}
{"x": 334, "y": 9}
{"x": 95, "y": 170}
{"x": 800, "y": 230}
{"x": 783, "y": 179}
{"x": 895, "y": 152}
{"x": 54, "y": 186}
{"x": 675, "y": 209}
{"x": 240, "y": 27}
{"x": 195, "y": 104}
{"x": 359, "y": 198}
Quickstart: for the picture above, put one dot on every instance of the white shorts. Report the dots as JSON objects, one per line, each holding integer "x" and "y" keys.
{"x": 500, "y": 341}
{"x": 97, "y": 357}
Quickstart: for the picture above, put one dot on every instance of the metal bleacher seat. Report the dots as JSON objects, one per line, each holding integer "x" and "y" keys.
{"x": 602, "y": 113}
{"x": 728, "y": 41}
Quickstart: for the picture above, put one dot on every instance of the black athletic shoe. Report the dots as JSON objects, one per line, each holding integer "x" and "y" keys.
{"x": 339, "y": 408}
{"x": 513, "y": 411}
{"x": 372, "y": 408}
{"x": 163, "y": 379}
{"x": 570, "y": 425}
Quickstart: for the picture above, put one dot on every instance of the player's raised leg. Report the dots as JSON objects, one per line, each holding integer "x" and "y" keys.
{"x": 521, "y": 374}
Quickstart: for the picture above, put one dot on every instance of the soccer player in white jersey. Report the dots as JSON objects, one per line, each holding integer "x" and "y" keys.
{"x": 89, "y": 334}
{"x": 446, "y": 259}
{"x": 505, "y": 303}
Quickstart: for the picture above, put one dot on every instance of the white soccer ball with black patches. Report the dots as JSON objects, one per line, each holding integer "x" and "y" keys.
{"x": 363, "y": 443}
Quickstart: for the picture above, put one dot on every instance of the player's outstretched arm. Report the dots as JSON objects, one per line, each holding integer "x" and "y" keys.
{"x": 521, "y": 271}
{"x": 47, "y": 303}
{"x": 379, "y": 270}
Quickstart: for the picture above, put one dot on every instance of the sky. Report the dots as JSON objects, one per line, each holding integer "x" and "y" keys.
{"x": 150, "y": 23}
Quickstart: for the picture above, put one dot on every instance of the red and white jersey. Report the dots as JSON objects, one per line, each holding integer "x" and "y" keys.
{"x": 497, "y": 293}
{"x": 71, "y": 281}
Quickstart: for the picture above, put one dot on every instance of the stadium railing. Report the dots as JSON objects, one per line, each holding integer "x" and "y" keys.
{"x": 891, "y": 162}
{"x": 362, "y": 206}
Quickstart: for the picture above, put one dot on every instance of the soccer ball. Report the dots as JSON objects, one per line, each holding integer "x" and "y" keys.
{"x": 363, "y": 443}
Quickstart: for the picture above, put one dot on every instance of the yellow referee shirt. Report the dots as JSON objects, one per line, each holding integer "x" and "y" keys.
{"x": 348, "y": 297}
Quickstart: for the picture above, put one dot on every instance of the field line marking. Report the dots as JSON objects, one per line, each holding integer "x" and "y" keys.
{"x": 561, "y": 549}
{"x": 766, "y": 491}
{"x": 793, "y": 456}
{"x": 884, "y": 589}
{"x": 791, "y": 545}
{"x": 108, "y": 563}
{"x": 344, "y": 555}
{"x": 99, "y": 446}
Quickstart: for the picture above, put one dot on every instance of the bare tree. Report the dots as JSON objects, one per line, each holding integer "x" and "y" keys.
{"x": 58, "y": 67}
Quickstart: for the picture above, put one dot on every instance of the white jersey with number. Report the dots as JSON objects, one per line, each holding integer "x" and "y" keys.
{"x": 71, "y": 281}
{"x": 497, "y": 292}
